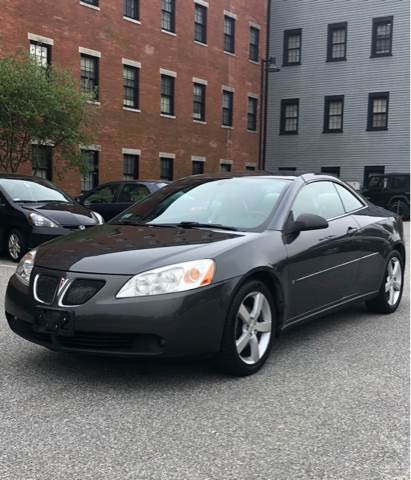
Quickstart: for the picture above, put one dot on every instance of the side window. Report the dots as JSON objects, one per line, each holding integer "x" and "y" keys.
{"x": 400, "y": 183}
{"x": 132, "y": 193}
{"x": 104, "y": 194}
{"x": 349, "y": 200}
{"x": 319, "y": 198}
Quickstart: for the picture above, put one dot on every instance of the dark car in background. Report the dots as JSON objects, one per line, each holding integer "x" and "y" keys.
{"x": 33, "y": 210}
{"x": 391, "y": 191}
{"x": 211, "y": 264}
{"x": 112, "y": 198}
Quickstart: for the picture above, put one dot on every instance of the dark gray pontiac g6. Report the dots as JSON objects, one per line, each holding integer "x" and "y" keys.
{"x": 211, "y": 264}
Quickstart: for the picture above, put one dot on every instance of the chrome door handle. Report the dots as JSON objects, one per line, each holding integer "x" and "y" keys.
{"x": 351, "y": 230}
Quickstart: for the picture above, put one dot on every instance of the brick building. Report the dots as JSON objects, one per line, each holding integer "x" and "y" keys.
{"x": 177, "y": 81}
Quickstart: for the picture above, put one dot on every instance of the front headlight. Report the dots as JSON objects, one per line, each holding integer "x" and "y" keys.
{"x": 173, "y": 278}
{"x": 40, "y": 221}
{"x": 98, "y": 217}
{"x": 25, "y": 267}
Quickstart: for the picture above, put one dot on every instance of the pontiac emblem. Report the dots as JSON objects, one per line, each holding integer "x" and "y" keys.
{"x": 82, "y": 227}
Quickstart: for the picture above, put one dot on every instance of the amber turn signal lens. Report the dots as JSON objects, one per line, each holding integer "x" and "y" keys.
{"x": 208, "y": 277}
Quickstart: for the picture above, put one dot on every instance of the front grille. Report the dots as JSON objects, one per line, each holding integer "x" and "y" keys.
{"x": 82, "y": 290}
{"x": 77, "y": 227}
{"x": 46, "y": 288}
{"x": 99, "y": 341}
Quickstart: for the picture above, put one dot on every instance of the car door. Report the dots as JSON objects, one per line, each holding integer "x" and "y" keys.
{"x": 370, "y": 242}
{"x": 130, "y": 194}
{"x": 102, "y": 200}
{"x": 321, "y": 266}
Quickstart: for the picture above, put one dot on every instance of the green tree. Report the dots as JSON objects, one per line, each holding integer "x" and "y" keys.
{"x": 43, "y": 106}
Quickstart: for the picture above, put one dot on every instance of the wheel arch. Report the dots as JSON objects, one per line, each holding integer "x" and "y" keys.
{"x": 272, "y": 281}
{"x": 401, "y": 197}
{"x": 401, "y": 249}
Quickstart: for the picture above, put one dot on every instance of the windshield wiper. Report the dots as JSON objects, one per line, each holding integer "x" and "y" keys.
{"x": 205, "y": 225}
{"x": 187, "y": 225}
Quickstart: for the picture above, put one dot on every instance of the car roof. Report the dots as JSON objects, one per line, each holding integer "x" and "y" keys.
{"x": 29, "y": 178}
{"x": 119, "y": 182}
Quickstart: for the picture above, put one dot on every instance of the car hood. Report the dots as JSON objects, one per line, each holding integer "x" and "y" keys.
{"x": 128, "y": 250}
{"x": 65, "y": 214}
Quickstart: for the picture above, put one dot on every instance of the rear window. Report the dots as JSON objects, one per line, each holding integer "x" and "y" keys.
{"x": 350, "y": 202}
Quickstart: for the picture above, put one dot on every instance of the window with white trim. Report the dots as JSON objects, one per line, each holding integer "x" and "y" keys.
{"x": 131, "y": 87}
{"x": 89, "y": 80}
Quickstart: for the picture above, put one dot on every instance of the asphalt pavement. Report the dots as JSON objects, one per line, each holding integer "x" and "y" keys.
{"x": 331, "y": 403}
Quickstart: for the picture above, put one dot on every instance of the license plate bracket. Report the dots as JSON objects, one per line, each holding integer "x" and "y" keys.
{"x": 54, "y": 321}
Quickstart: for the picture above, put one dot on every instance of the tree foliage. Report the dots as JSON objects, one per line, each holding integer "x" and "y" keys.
{"x": 42, "y": 106}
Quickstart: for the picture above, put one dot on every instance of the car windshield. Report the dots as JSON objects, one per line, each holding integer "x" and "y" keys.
{"x": 32, "y": 192}
{"x": 241, "y": 203}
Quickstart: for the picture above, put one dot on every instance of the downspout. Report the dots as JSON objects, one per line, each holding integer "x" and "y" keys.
{"x": 264, "y": 92}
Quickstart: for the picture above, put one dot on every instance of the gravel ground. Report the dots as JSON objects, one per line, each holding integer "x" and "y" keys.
{"x": 332, "y": 403}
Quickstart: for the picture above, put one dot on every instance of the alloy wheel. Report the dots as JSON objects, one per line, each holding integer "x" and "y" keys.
{"x": 253, "y": 328}
{"x": 393, "y": 282}
{"x": 14, "y": 246}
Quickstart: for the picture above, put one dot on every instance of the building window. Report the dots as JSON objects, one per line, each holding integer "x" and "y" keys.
{"x": 250, "y": 168}
{"x": 198, "y": 167}
{"x": 254, "y": 47}
{"x": 229, "y": 34}
{"x": 289, "y": 116}
{"x": 292, "y": 47}
{"x": 90, "y": 75}
{"x": 372, "y": 170}
{"x": 40, "y": 53}
{"x": 89, "y": 179}
{"x": 337, "y": 42}
{"x": 130, "y": 166}
{"x": 90, "y": 2}
{"x": 130, "y": 86}
{"x": 131, "y": 9}
{"x": 287, "y": 170}
{"x": 378, "y": 111}
{"x": 334, "y": 114}
{"x": 225, "y": 167}
{"x": 167, "y": 95}
{"x": 334, "y": 171}
{"x": 252, "y": 114}
{"x": 168, "y": 15}
{"x": 166, "y": 168}
{"x": 381, "y": 44}
{"x": 199, "y": 102}
{"x": 200, "y": 23}
{"x": 228, "y": 103}
{"x": 41, "y": 159}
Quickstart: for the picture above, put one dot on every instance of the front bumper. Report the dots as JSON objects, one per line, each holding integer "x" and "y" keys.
{"x": 171, "y": 325}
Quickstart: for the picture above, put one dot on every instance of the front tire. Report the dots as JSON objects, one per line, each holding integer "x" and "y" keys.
{"x": 15, "y": 245}
{"x": 249, "y": 331}
{"x": 401, "y": 208}
{"x": 389, "y": 296}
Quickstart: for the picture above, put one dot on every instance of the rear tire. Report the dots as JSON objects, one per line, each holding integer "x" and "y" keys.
{"x": 249, "y": 331}
{"x": 15, "y": 245}
{"x": 389, "y": 296}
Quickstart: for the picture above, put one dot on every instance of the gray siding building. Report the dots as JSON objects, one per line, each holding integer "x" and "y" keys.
{"x": 340, "y": 102}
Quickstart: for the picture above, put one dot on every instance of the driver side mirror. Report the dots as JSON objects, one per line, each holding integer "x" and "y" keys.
{"x": 79, "y": 199}
{"x": 306, "y": 222}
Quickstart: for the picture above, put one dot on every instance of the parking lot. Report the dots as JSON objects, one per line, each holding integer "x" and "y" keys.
{"x": 331, "y": 403}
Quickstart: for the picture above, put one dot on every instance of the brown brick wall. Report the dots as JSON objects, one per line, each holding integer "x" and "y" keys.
{"x": 72, "y": 25}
